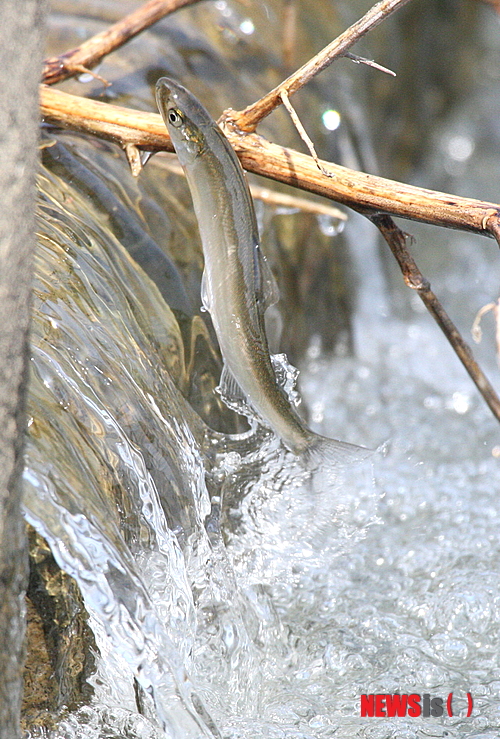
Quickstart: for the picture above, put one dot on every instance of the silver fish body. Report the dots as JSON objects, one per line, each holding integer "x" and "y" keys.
{"x": 237, "y": 286}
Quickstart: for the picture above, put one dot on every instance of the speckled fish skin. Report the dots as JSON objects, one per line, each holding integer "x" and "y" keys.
{"x": 235, "y": 287}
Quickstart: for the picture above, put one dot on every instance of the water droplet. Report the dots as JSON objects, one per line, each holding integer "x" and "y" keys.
{"x": 247, "y": 27}
{"x": 460, "y": 402}
{"x": 331, "y": 120}
{"x": 460, "y": 148}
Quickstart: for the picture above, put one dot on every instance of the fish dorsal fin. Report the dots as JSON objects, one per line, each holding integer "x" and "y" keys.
{"x": 206, "y": 298}
{"x": 266, "y": 288}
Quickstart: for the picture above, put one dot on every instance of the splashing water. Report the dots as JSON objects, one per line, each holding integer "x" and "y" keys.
{"x": 177, "y": 611}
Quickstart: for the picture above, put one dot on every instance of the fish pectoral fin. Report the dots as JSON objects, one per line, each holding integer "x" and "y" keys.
{"x": 206, "y": 298}
{"x": 232, "y": 394}
{"x": 267, "y": 289}
{"x": 229, "y": 388}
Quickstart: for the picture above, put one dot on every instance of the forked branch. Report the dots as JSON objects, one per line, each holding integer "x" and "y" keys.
{"x": 358, "y": 190}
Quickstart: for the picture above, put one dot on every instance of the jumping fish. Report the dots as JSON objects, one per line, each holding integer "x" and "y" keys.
{"x": 238, "y": 285}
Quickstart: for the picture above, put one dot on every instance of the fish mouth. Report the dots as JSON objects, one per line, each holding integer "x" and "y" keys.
{"x": 168, "y": 91}
{"x": 163, "y": 92}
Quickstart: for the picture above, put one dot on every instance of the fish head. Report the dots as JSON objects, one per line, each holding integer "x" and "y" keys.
{"x": 185, "y": 118}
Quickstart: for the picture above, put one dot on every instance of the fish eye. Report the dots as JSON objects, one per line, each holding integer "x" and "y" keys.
{"x": 175, "y": 117}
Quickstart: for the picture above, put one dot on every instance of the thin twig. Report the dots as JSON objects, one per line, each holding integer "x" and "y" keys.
{"x": 302, "y": 131}
{"x": 90, "y": 52}
{"x": 248, "y": 119}
{"x": 134, "y": 159}
{"x": 396, "y": 240}
{"x": 281, "y": 199}
{"x": 476, "y": 330}
{"x": 357, "y": 190}
{"x": 80, "y": 69}
{"x": 369, "y": 63}
{"x": 476, "y": 327}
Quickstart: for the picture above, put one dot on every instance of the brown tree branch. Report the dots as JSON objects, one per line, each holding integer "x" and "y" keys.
{"x": 363, "y": 192}
{"x": 492, "y": 224}
{"x": 247, "y": 120}
{"x": 412, "y": 276}
{"x": 90, "y": 52}
{"x": 121, "y": 125}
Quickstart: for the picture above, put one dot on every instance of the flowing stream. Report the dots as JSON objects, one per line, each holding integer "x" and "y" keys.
{"x": 227, "y": 598}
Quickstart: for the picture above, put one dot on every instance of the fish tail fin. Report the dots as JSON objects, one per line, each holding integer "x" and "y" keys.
{"x": 341, "y": 492}
{"x": 323, "y": 451}
{"x": 327, "y": 459}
